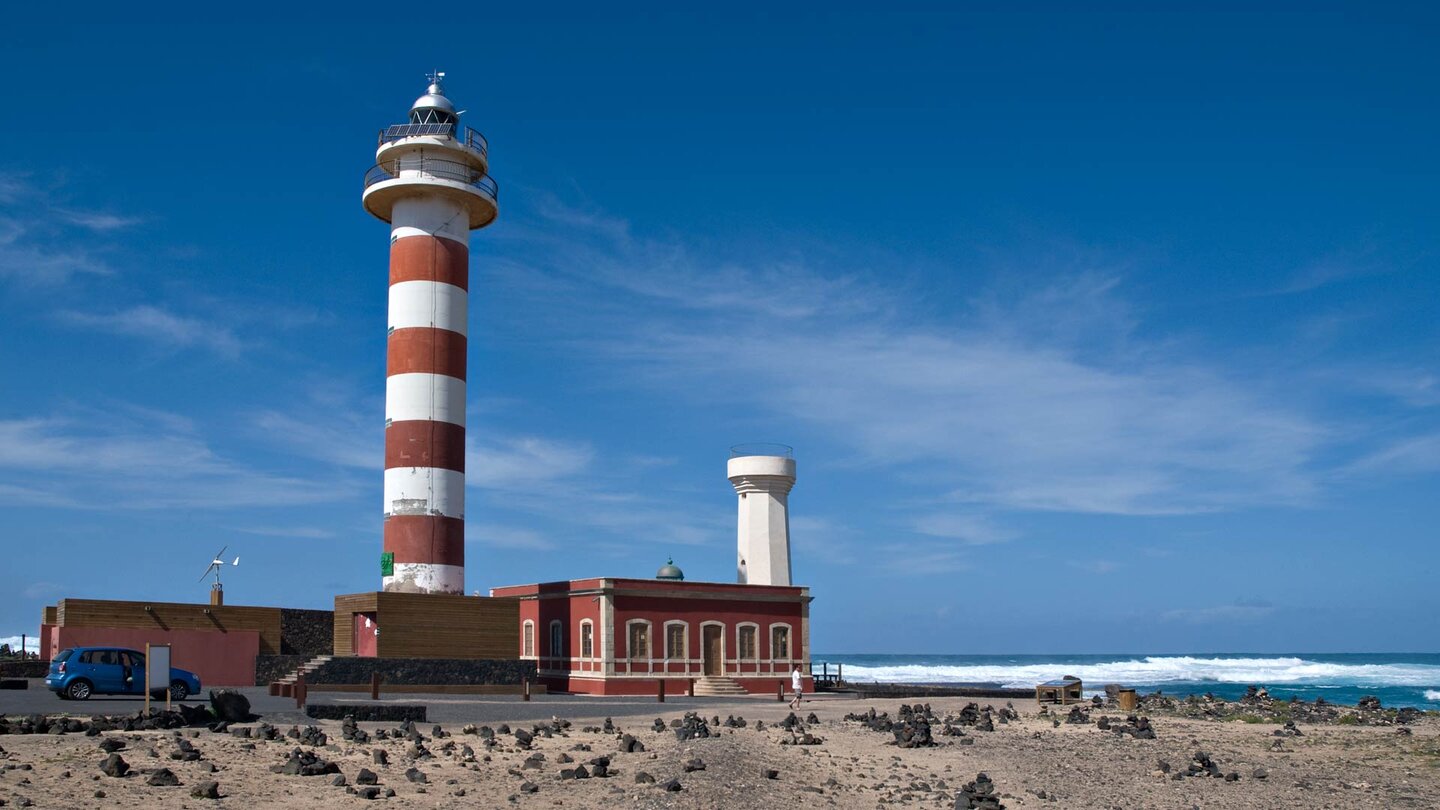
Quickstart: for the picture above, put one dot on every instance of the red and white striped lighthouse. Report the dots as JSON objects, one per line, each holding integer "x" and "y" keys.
{"x": 431, "y": 183}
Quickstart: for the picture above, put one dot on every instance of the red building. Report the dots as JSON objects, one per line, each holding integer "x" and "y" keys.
{"x": 619, "y": 636}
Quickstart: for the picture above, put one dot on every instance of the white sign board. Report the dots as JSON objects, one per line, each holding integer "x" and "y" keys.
{"x": 157, "y": 668}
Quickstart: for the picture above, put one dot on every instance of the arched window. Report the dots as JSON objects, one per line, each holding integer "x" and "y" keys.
{"x": 527, "y": 639}
{"x": 557, "y": 639}
{"x": 638, "y": 638}
{"x": 587, "y": 639}
{"x": 675, "y": 635}
{"x": 748, "y": 639}
{"x": 780, "y": 642}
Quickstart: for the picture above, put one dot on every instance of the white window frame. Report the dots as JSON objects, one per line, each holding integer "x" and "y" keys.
{"x": 684, "y": 640}
{"x": 587, "y": 639}
{"x": 789, "y": 642}
{"x": 527, "y": 639}
{"x": 649, "y": 640}
{"x": 741, "y": 627}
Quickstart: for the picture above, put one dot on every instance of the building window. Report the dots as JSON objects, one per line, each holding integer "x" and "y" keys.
{"x": 557, "y": 639}
{"x": 747, "y": 643}
{"x": 527, "y": 640}
{"x": 587, "y": 639}
{"x": 779, "y": 641}
{"x": 675, "y": 640}
{"x": 639, "y": 647}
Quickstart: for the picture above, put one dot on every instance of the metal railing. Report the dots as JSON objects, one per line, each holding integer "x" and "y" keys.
{"x": 433, "y": 168}
{"x": 762, "y": 449}
{"x": 473, "y": 139}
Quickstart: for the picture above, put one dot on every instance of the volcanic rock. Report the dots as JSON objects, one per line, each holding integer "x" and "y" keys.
{"x": 114, "y": 765}
{"x": 163, "y": 778}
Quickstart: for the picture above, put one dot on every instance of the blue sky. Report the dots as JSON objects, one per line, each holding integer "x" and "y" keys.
{"x": 1092, "y": 332}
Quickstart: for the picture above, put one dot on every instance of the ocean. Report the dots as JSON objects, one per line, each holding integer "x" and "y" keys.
{"x": 1398, "y": 679}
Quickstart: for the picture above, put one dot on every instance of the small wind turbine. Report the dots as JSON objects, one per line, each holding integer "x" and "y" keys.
{"x": 217, "y": 564}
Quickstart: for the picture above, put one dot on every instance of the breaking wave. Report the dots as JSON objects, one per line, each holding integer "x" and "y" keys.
{"x": 1159, "y": 670}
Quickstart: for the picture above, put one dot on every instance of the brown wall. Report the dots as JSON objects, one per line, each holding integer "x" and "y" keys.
{"x": 415, "y": 625}
{"x": 265, "y": 621}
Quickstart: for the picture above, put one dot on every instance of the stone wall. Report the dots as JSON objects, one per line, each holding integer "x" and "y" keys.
{"x": 366, "y": 712}
{"x": 269, "y": 668}
{"x": 439, "y": 671}
{"x": 24, "y": 669}
{"x": 307, "y": 632}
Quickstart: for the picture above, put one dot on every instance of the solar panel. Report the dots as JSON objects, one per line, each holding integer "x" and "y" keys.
{"x": 397, "y": 131}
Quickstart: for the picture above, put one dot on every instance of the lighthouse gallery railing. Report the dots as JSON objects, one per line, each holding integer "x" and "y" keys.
{"x": 423, "y": 167}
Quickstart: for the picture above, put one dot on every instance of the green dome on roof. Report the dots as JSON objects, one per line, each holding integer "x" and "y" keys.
{"x": 670, "y": 571}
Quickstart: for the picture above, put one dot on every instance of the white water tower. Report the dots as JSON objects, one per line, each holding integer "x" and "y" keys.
{"x": 762, "y": 475}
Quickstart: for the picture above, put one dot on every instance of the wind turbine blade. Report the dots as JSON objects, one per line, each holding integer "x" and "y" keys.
{"x": 208, "y": 569}
{"x": 237, "y": 561}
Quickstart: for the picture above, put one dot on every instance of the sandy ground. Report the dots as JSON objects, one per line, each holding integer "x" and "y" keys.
{"x": 1070, "y": 766}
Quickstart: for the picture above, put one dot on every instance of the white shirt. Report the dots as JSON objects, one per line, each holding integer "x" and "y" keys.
{"x": 795, "y": 680}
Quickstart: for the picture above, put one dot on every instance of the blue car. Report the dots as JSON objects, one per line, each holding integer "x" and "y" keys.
{"x": 78, "y": 673}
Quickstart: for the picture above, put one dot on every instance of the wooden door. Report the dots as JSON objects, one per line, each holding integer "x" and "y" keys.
{"x": 714, "y": 650}
{"x": 364, "y": 642}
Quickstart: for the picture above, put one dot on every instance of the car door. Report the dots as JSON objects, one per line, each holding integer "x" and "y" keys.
{"x": 132, "y": 672}
{"x": 105, "y": 671}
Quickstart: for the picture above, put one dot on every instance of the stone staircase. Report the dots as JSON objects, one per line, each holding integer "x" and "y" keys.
{"x": 714, "y": 686}
{"x": 307, "y": 667}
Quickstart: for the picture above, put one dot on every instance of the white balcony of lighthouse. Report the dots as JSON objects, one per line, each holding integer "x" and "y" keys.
{"x": 432, "y": 154}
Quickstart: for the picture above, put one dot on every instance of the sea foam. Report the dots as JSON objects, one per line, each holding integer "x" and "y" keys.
{"x": 1157, "y": 670}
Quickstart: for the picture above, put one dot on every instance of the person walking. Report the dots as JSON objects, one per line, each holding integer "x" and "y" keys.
{"x": 797, "y": 683}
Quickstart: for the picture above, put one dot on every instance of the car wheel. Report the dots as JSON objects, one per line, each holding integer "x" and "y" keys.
{"x": 179, "y": 691}
{"x": 79, "y": 689}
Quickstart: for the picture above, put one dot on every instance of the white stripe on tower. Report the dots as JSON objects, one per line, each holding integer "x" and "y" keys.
{"x": 425, "y": 395}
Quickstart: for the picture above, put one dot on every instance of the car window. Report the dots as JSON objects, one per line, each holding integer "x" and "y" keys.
{"x": 63, "y": 656}
{"x": 109, "y": 657}
{"x": 90, "y": 657}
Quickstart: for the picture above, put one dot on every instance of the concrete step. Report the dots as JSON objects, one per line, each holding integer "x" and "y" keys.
{"x": 307, "y": 667}
{"x": 718, "y": 687}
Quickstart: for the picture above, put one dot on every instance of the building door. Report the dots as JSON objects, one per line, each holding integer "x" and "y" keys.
{"x": 364, "y": 641}
{"x": 714, "y": 647}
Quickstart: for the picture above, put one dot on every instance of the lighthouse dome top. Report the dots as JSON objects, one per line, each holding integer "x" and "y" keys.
{"x": 433, "y": 107}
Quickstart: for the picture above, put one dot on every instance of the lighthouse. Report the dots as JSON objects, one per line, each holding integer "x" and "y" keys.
{"x": 431, "y": 183}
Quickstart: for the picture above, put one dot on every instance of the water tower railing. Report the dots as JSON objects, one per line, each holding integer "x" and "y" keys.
{"x": 762, "y": 449}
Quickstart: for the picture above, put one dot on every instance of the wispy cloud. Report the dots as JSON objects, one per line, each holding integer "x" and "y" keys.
{"x": 160, "y": 326}
{"x": 1048, "y": 400}
{"x": 1094, "y": 566}
{"x": 1242, "y": 610}
{"x": 111, "y": 461}
{"x": 1410, "y": 455}
{"x": 37, "y": 248}
{"x": 922, "y": 559}
{"x": 96, "y": 220}
{"x": 302, "y": 532}
{"x": 522, "y": 462}
{"x": 508, "y": 537}
{"x": 970, "y": 529}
